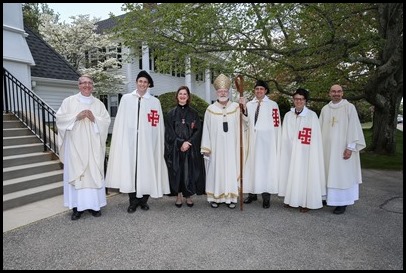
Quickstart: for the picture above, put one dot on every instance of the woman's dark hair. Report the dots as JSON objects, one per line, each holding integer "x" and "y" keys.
{"x": 188, "y": 92}
{"x": 303, "y": 92}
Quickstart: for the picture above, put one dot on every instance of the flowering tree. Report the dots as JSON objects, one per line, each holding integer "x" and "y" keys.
{"x": 84, "y": 49}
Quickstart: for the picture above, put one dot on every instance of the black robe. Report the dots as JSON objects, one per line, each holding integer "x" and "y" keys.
{"x": 182, "y": 123}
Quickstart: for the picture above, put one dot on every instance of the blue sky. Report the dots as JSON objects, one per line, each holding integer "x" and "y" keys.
{"x": 99, "y": 10}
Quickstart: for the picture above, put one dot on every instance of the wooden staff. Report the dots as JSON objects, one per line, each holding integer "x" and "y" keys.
{"x": 239, "y": 84}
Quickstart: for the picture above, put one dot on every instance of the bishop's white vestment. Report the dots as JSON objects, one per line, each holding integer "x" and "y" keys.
{"x": 136, "y": 158}
{"x": 341, "y": 129}
{"x": 302, "y": 178}
{"x": 82, "y": 147}
{"x": 221, "y": 138}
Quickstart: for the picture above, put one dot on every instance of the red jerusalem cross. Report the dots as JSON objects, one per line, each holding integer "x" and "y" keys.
{"x": 305, "y": 135}
{"x": 275, "y": 117}
{"x": 153, "y": 117}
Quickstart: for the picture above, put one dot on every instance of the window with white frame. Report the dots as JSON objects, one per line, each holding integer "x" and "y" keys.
{"x": 96, "y": 55}
{"x": 111, "y": 101}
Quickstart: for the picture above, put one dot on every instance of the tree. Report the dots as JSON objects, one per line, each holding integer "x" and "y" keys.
{"x": 312, "y": 45}
{"x": 84, "y": 49}
{"x": 32, "y": 13}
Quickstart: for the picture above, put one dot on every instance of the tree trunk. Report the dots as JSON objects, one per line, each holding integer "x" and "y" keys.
{"x": 383, "y": 129}
{"x": 384, "y": 90}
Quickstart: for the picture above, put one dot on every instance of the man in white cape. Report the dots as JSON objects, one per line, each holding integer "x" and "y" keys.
{"x": 263, "y": 119}
{"x": 302, "y": 178}
{"x": 136, "y": 162}
{"x": 83, "y": 122}
{"x": 343, "y": 139}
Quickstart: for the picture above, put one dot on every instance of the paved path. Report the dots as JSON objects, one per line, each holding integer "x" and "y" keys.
{"x": 369, "y": 236}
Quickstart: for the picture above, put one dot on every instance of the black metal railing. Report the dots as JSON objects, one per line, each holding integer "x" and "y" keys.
{"x": 31, "y": 110}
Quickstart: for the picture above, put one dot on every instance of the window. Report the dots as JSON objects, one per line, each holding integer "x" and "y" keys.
{"x": 200, "y": 76}
{"x": 96, "y": 55}
{"x": 111, "y": 102}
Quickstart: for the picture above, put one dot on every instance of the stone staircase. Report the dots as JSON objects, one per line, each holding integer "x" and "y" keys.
{"x": 29, "y": 173}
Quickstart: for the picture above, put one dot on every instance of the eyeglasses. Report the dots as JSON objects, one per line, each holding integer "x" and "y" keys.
{"x": 298, "y": 99}
{"x": 86, "y": 83}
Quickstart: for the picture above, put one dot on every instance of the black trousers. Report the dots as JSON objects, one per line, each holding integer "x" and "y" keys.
{"x": 183, "y": 175}
{"x": 134, "y": 200}
{"x": 265, "y": 195}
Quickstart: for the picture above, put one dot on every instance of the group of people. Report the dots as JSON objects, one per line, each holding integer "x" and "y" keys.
{"x": 307, "y": 160}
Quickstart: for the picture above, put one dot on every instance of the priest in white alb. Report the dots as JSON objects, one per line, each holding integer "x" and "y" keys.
{"x": 83, "y": 122}
{"x": 343, "y": 139}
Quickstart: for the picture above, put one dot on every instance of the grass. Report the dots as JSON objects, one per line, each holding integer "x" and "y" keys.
{"x": 382, "y": 162}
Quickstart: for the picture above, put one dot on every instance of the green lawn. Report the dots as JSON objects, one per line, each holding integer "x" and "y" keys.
{"x": 382, "y": 162}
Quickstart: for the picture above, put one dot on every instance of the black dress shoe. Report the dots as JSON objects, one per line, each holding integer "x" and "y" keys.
{"x": 144, "y": 206}
{"x": 266, "y": 204}
{"x": 189, "y": 202}
{"x": 304, "y": 210}
{"x": 131, "y": 209}
{"x": 178, "y": 205}
{"x": 95, "y": 213}
{"x": 76, "y": 215}
{"x": 250, "y": 198}
{"x": 339, "y": 209}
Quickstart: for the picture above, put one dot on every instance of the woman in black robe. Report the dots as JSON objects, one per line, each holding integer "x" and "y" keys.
{"x": 183, "y": 133}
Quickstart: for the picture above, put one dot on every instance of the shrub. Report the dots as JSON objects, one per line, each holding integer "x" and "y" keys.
{"x": 168, "y": 101}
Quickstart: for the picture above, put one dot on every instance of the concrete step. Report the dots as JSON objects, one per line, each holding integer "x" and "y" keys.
{"x": 32, "y": 212}
{"x": 30, "y": 169}
{"x": 9, "y": 116}
{"x": 26, "y": 182}
{"x": 13, "y": 124}
{"x": 23, "y": 197}
{"x": 16, "y": 132}
{"x": 17, "y": 160}
{"x": 30, "y": 174}
{"x": 22, "y": 149}
{"x": 18, "y": 140}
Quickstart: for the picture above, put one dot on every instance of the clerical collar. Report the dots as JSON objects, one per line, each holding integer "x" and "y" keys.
{"x": 182, "y": 106}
